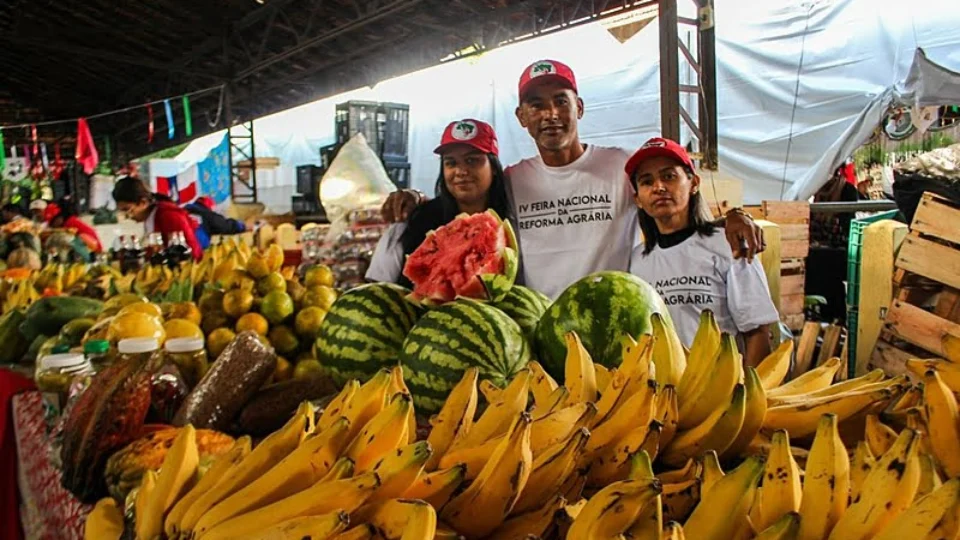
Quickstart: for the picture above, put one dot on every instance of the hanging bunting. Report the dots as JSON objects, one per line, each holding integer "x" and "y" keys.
{"x": 57, "y": 168}
{"x": 26, "y": 156}
{"x": 86, "y": 153}
{"x": 33, "y": 136}
{"x": 43, "y": 156}
{"x": 187, "y": 121}
{"x": 171, "y": 128}
{"x": 3, "y": 153}
{"x": 149, "y": 123}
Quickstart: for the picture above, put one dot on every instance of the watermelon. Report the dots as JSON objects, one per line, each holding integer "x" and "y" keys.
{"x": 363, "y": 331}
{"x": 474, "y": 256}
{"x": 453, "y": 337}
{"x": 600, "y": 308}
{"x": 525, "y": 306}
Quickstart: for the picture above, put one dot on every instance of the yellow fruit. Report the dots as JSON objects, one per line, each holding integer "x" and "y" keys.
{"x": 307, "y": 369}
{"x": 239, "y": 279}
{"x": 271, "y": 282}
{"x": 213, "y": 320}
{"x": 120, "y": 301}
{"x": 253, "y": 322}
{"x": 134, "y": 324}
{"x": 319, "y": 296}
{"x": 277, "y": 306}
{"x": 99, "y": 330}
{"x": 283, "y": 371}
{"x": 319, "y": 275}
{"x": 217, "y": 341}
{"x": 182, "y": 328}
{"x": 185, "y": 310}
{"x": 237, "y": 302}
{"x": 296, "y": 291}
{"x": 308, "y": 321}
{"x": 274, "y": 257}
{"x": 211, "y": 300}
{"x": 152, "y": 310}
{"x": 284, "y": 340}
{"x": 257, "y": 266}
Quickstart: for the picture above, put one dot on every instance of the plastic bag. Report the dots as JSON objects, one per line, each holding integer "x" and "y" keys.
{"x": 356, "y": 179}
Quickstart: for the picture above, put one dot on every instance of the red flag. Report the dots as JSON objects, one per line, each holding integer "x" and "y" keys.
{"x": 86, "y": 151}
{"x": 149, "y": 123}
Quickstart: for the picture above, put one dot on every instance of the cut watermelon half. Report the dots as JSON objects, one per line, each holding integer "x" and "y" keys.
{"x": 473, "y": 256}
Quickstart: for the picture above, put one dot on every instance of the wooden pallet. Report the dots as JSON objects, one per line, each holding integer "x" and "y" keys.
{"x": 926, "y": 303}
{"x": 817, "y": 344}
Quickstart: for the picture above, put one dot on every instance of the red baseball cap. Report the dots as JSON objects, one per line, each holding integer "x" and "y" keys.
{"x": 205, "y": 201}
{"x": 546, "y": 70}
{"x": 470, "y": 132}
{"x": 51, "y": 211}
{"x": 658, "y": 147}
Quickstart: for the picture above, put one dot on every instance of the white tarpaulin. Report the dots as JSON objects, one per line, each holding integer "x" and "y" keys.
{"x": 800, "y": 85}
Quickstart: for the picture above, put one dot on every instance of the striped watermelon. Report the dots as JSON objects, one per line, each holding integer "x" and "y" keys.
{"x": 600, "y": 308}
{"x": 364, "y": 329}
{"x": 525, "y": 306}
{"x": 457, "y": 335}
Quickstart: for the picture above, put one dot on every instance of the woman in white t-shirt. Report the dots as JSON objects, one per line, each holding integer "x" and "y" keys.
{"x": 471, "y": 180}
{"x": 690, "y": 265}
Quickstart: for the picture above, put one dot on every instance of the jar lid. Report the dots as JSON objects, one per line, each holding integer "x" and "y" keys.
{"x": 137, "y": 345}
{"x": 184, "y": 345}
{"x": 96, "y": 346}
{"x": 61, "y": 348}
{"x": 62, "y": 361}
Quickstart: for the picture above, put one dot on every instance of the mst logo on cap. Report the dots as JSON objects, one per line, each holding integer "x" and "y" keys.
{"x": 464, "y": 130}
{"x": 542, "y": 68}
{"x": 548, "y": 69}
{"x": 654, "y": 143}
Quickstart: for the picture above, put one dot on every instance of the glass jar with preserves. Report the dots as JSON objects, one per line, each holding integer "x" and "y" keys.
{"x": 54, "y": 376}
{"x": 138, "y": 349}
{"x": 190, "y": 357}
{"x": 97, "y": 352}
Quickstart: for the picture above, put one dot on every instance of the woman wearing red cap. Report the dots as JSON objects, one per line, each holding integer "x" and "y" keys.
{"x": 471, "y": 180}
{"x": 63, "y": 215}
{"x": 691, "y": 267}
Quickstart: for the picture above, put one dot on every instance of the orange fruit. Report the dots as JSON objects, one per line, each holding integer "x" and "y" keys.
{"x": 182, "y": 328}
{"x": 271, "y": 282}
{"x": 307, "y": 369}
{"x": 254, "y": 322}
{"x": 276, "y": 306}
{"x": 218, "y": 340}
{"x": 211, "y": 300}
{"x": 308, "y": 322}
{"x": 283, "y": 371}
{"x": 257, "y": 266}
{"x": 237, "y": 302}
{"x": 283, "y": 339}
{"x": 296, "y": 291}
{"x": 319, "y": 274}
{"x": 152, "y": 310}
{"x": 185, "y": 310}
{"x": 134, "y": 324}
{"x": 214, "y": 320}
{"x": 319, "y": 296}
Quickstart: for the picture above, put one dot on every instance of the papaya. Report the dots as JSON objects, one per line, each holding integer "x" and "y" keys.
{"x": 15, "y": 345}
{"x": 48, "y": 315}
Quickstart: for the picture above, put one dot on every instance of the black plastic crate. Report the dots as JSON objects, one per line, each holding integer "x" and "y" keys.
{"x": 302, "y": 204}
{"x": 396, "y": 132}
{"x": 385, "y": 126}
{"x": 308, "y": 177}
{"x": 399, "y": 173}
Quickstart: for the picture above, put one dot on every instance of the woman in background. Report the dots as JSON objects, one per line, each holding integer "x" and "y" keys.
{"x": 158, "y": 213}
{"x": 63, "y": 215}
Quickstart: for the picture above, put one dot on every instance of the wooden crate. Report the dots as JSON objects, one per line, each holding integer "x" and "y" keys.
{"x": 819, "y": 343}
{"x": 788, "y": 241}
{"x": 926, "y": 303}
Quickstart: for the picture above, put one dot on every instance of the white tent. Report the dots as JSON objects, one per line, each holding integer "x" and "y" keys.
{"x": 800, "y": 85}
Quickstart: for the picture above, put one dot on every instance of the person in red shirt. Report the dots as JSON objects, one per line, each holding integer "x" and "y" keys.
{"x": 158, "y": 213}
{"x": 63, "y": 215}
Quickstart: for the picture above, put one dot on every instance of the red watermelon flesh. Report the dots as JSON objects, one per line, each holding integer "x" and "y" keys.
{"x": 458, "y": 258}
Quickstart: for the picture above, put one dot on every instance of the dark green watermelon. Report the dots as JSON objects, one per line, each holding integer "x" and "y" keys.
{"x": 525, "y": 306}
{"x": 453, "y": 337}
{"x": 600, "y": 308}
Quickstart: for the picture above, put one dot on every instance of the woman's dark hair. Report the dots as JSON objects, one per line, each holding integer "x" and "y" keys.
{"x": 68, "y": 207}
{"x": 13, "y": 208}
{"x": 443, "y": 208}
{"x": 131, "y": 190}
{"x": 697, "y": 212}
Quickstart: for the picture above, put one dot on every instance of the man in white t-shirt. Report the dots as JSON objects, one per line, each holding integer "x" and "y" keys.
{"x": 572, "y": 203}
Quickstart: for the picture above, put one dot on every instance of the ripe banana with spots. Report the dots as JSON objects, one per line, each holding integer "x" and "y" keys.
{"x": 715, "y": 388}
{"x": 919, "y": 520}
{"x": 178, "y": 471}
{"x": 784, "y": 529}
{"x": 943, "y": 421}
{"x": 437, "y": 487}
{"x": 499, "y": 416}
{"x": 613, "y": 509}
{"x": 550, "y": 470}
{"x": 537, "y": 521}
{"x": 400, "y": 469}
{"x": 826, "y": 482}
{"x": 455, "y": 417}
{"x": 105, "y": 521}
{"x": 369, "y": 399}
{"x": 386, "y": 432}
{"x": 338, "y": 405}
{"x": 723, "y": 510}
{"x": 717, "y": 432}
{"x": 541, "y": 384}
{"x": 816, "y": 379}
{"x": 702, "y": 357}
{"x": 782, "y": 490}
{"x": 755, "y": 410}
{"x": 298, "y": 528}
{"x": 668, "y": 355}
{"x": 580, "y": 376}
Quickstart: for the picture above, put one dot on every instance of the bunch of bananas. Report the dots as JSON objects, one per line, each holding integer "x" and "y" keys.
{"x": 20, "y": 294}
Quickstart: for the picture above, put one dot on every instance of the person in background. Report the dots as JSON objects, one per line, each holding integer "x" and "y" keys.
{"x": 209, "y": 222}
{"x": 158, "y": 213}
{"x": 11, "y": 212}
{"x": 63, "y": 215}
{"x": 37, "y": 209}
{"x": 471, "y": 180}
{"x": 691, "y": 266}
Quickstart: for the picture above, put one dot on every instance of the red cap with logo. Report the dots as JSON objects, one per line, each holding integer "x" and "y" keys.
{"x": 546, "y": 70}
{"x": 470, "y": 132}
{"x": 658, "y": 147}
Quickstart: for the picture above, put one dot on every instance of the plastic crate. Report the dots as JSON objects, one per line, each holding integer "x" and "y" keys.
{"x": 396, "y": 131}
{"x": 386, "y": 126}
{"x": 399, "y": 173}
{"x": 308, "y": 177}
{"x": 853, "y": 316}
{"x": 854, "y": 255}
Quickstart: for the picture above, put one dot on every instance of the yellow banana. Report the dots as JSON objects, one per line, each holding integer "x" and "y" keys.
{"x": 632, "y": 376}
{"x": 338, "y": 405}
{"x": 816, "y": 379}
{"x": 801, "y": 419}
{"x": 860, "y": 466}
{"x": 572, "y": 488}
{"x": 679, "y": 499}
{"x": 302, "y": 468}
{"x": 145, "y": 494}
{"x": 612, "y": 463}
{"x": 774, "y": 368}
{"x": 668, "y": 356}
{"x": 929, "y": 477}
{"x": 641, "y": 466}
{"x": 321, "y": 498}
{"x": 322, "y": 526}
{"x": 541, "y": 384}
{"x": 580, "y": 378}
{"x": 710, "y": 470}
{"x": 878, "y": 436}
{"x": 385, "y": 432}
{"x": 667, "y": 413}
{"x": 398, "y": 385}
{"x": 498, "y": 417}
{"x": 782, "y": 490}
{"x": 555, "y": 401}
{"x": 649, "y": 522}
{"x": 673, "y": 531}
{"x": 535, "y": 522}
{"x": 871, "y": 380}
{"x": 826, "y": 482}
{"x": 723, "y": 510}
{"x": 218, "y": 470}
{"x": 886, "y": 492}
{"x": 949, "y": 372}
{"x": 689, "y": 471}
{"x": 342, "y": 468}
{"x": 784, "y": 529}
{"x": 369, "y": 399}
{"x": 703, "y": 356}
{"x": 717, "y": 432}
{"x": 455, "y": 418}
{"x": 487, "y": 501}
{"x": 613, "y": 509}
{"x": 604, "y": 375}
{"x": 924, "y": 514}
{"x": 914, "y": 419}
{"x": 550, "y": 470}
{"x": 943, "y": 422}
{"x": 105, "y": 521}
{"x": 951, "y": 347}
{"x": 260, "y": 460}
{"x": 399, "y": 470}
{"x": 364, "y": 531}
{"x": 636, "y": 360}
{"x": 402, "y": 519}
{"x": 491, "y": 392}
{"x": 638, "y": 410}
{"x": 754, "y": 413}
{"x": 948, "y": 527}
{"x": 437, "y": 487}
{"x": 715, "y": 390}
{"x": 177, "y": 473}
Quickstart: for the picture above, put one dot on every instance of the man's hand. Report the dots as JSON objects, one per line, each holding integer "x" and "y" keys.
{"x": 399, "y": 204}
{"x": 744, "y": 236}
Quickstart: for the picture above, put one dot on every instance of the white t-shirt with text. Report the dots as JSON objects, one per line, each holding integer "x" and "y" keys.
{"x": 700, "y": 273}
{"x": 387, "y": 262}
{"x": 573, "y": 220}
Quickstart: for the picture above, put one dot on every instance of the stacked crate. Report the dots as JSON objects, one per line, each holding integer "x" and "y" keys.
{"x": 793, "y": 220}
